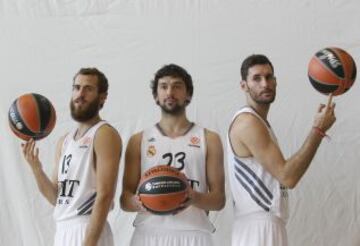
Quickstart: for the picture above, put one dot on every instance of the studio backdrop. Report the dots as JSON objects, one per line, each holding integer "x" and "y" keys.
{"x": 44, "y": 43}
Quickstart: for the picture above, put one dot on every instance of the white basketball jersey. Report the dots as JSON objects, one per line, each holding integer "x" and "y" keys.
{"x": 187, "y": 153}
{"x": 253, "y": 188}
{"x": 76, "y": 176}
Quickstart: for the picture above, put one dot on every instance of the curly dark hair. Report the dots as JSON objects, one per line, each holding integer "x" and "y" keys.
{"x": 175, "y": 71}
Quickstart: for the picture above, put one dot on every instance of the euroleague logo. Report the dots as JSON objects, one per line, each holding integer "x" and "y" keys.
{"x": 15, "y": 119}
{"x": 151, "y": 151}
{"x": 148, "y": 186}
{"x": 164, "y": 184}
{"x": 194, "y": 142}
{"x": 330, "y": 57}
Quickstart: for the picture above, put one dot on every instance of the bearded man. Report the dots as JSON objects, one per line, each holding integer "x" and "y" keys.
{"x": 193, "y": 150}
{"x": 259, "y": 175}
{"x": 83, "y": 182}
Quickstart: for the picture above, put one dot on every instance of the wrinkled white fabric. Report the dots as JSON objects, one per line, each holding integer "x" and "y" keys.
{"x": 44, "y": 43}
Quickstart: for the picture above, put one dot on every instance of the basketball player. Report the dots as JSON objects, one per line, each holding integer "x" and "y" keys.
{"x": 195, "y": 151}
{"x": 259, "y": 174}
{"x": 84, "y": 179}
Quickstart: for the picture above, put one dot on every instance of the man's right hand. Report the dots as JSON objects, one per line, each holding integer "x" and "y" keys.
{"x": 325, "y": 117}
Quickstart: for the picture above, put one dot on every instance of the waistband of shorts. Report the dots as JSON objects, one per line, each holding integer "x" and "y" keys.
{"x": 260, "y": 216}
{"x": 73, "y": 221}
{"x": 162, "y": 231}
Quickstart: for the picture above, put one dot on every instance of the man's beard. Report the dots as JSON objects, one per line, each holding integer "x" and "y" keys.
{"x": 175, "y": 110}
{"x": 259, "y": 100}
{"x": 87, "y": 113}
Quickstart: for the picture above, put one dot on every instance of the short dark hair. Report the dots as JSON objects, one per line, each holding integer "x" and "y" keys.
{"x": 252, "y": 60}
{"x": 102, "y": 84}
{"x": 175, "y": 71}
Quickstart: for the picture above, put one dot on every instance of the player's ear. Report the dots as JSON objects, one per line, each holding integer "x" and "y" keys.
{"x": 156, "y": 98}
{"x": 188, "y": 100}
{"x": 243, "y": 85}
{"x": 102, "y": 98}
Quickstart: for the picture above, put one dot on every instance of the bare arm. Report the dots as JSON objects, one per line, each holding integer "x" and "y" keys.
{"x": 48, "y": 187}
{"x": 129, "y": 201}
{"x": 249, "y": 137}
{"x": 107, "y": 148}
{"x": 214, "y": 199}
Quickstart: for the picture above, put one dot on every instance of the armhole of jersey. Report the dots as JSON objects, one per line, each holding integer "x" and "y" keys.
{"x": 104, "y": 123}
{"x": 229, "y": 139}
{"x": 205, "y": 143}
{"x": 62, "y": 150}
{"x": 230, "y": 127}
{"x": 141, "y": 142}
{"x": 141, "y": 149}
{"x": 64, "y": 142}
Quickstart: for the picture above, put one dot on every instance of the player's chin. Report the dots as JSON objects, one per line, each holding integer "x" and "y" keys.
{"x": 267, "y": 98}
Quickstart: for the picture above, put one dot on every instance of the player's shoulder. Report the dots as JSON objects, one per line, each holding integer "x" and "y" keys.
{"x": 211, "y": 136}
{"x": 246, "y": 120}
{"x": 107, "y": 131}
{"x": 248, "y": 126}
{"x": 210, "y": 133}
{"x": 107, "y": 128}
{"x": 136, "y": 137}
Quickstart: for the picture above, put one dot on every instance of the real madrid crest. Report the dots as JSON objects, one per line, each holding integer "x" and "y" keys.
{"x": 151, "y": 151}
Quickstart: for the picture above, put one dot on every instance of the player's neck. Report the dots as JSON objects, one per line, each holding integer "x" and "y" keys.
{"x": 174, "y": 126}
{"x": 83, "y": 127}
{"x": 260, "y": 109}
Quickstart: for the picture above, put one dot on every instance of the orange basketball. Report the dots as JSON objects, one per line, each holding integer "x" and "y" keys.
{"x": 332, "y": 70}
{"x": 32, "y": 116}
{"x": 162, "y": 189}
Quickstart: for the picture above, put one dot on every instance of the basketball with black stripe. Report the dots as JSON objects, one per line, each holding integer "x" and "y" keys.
{"x": 32, "y": 116}
{"x": 162, "y": 189}
{"x": 332, "y": 70}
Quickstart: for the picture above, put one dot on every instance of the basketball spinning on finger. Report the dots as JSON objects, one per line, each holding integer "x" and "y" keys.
{"x": 332, "y": 71}
{"x": 163, "y": 189}
{"x": 31, "y": 116}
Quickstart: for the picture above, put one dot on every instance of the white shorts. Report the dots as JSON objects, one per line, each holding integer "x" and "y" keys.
{"x": 157, "y": 237}
{"x": 72, "y": 233}
{"x": 259, "y": 230}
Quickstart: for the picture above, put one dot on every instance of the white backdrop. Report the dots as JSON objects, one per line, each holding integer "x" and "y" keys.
{"x": 43, "y": 43}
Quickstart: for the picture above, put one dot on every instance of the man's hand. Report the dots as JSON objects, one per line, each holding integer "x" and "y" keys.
{"x": 136, "y": 202}
{"x": 325, "y": 116}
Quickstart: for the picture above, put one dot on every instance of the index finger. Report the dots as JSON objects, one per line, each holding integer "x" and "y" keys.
{"x": 329, "y": 103}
